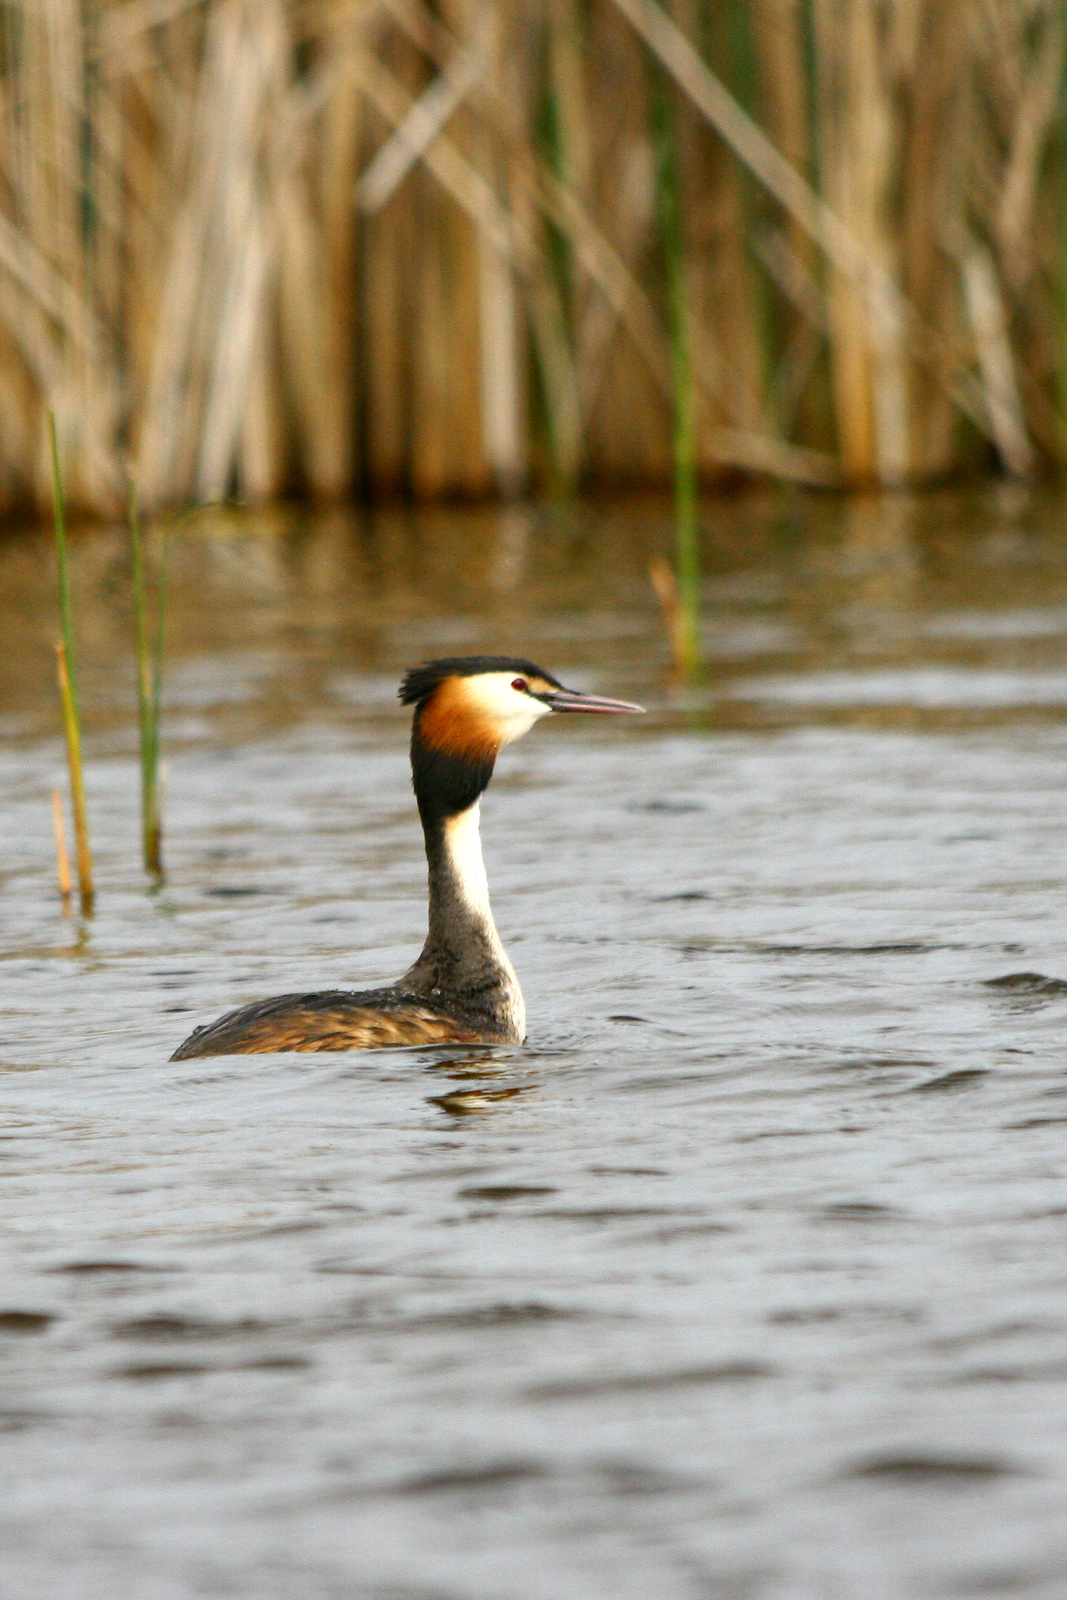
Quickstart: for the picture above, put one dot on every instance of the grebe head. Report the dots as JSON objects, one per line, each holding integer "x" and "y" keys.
{"x": 467, "y": 708}
{"x": 471, "y": 705}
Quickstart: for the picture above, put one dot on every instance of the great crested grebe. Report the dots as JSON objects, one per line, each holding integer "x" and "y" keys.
{"x": 463, "y": 988}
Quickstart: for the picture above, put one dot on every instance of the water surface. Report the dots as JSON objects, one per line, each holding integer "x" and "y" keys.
{"x": 747, "y": 1276}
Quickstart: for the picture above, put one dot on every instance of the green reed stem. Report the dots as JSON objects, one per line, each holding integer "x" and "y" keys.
{"x": 68, "y": 697}
{"x": 664, "y": 131}
{"x": 157, "y": 658}
{"x": 551, "y": 323}
{"x": 77, "y": 786}
{"x": 149, "y": 691}
{"x": 66, "y": 611}
{"x": 1060, "y": 298}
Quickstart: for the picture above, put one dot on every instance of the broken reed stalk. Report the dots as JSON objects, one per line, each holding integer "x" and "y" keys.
{"x": 62, "y": 858}
{"x": 67, "y": 690}
{"x": 664, "y": 131}
{"x": 149, "y": 687}
{"x": 663, "y": 580}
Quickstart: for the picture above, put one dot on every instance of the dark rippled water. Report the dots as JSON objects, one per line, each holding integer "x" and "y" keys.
{"x": 746, "y": 1279}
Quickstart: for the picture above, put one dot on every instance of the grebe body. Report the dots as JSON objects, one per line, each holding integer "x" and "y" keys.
{"x": 462, "y": 989}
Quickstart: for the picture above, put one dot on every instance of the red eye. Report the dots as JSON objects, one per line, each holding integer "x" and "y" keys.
{"x": 520, "y": 684}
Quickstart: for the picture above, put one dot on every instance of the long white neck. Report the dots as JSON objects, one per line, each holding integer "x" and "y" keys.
{"x": 463, "y": 962}
{"x": 463, "y": 850}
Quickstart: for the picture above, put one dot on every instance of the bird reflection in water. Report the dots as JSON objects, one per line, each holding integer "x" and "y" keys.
{"x": 480, "y": 1096}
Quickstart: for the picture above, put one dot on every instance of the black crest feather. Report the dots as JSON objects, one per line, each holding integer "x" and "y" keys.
{"x": 421, "y": 681}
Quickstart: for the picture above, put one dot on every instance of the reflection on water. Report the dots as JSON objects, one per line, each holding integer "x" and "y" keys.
{"x": 744, "y": 1277}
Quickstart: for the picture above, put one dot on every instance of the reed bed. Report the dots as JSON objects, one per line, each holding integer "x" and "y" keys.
{"x": 328, "y": 247}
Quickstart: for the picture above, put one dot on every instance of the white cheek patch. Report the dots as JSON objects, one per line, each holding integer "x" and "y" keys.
{"x": 511, "y": 712}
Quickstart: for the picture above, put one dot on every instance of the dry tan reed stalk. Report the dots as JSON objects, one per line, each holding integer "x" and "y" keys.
{"x": 662, "y": 578}
{"x": 504, "y": 412}
{"x": 423, "y": 122}
{"x": 854, "y": 129}
{"x": 1034, "y": 113}
{"x": 989, "y": 322}
{"x": 932, "y": 163}
{"x": 62, "y": 857}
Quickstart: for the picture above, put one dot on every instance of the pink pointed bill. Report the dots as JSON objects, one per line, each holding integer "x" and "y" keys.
{"x": 571, "y": 700}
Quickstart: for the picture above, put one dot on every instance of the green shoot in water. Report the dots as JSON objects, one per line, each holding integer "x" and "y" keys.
{"x": 1061, "y": 266}
{"x": 149, "y": 690}
{"x": 68, "y": 694}
{"x": 664, "y": 130}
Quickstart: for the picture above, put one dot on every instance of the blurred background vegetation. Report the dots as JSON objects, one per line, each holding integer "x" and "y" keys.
{"x": 377, "y": 247}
